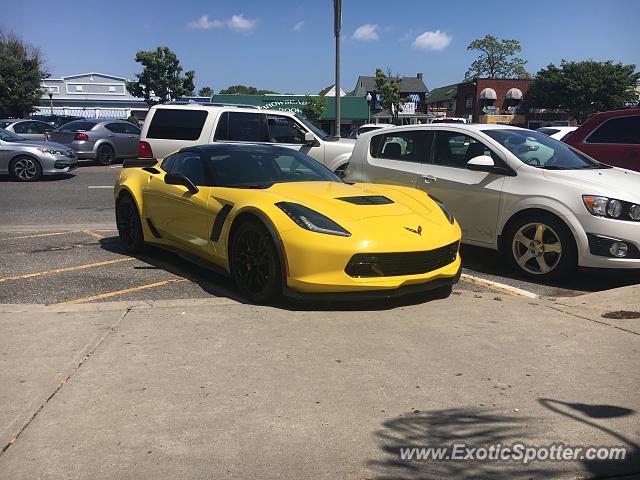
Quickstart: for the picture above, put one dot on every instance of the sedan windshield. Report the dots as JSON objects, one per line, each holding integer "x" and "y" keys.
{"x": 256, "y": 168}
{"x": 540, "y": 151}
{"x": 7, "y": 136}
{"x": 312, "y": 126}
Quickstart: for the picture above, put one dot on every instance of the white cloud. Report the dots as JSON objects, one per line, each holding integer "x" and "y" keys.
{"x": 203, "y": 23}
{"x": 241, "y": 24}
{"x": 366, "y": 33}
{"x": 236, "y": 22}
{"x": 298, "y": 26}
{"x": 432, "y": 41}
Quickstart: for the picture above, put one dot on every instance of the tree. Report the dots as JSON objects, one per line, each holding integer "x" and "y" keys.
{"x": 244, "y": 90}
{"x": 314, "y": 108}
{"x": 205, "y": 92}
{"x": 388, "y": 87}
{"x": 160, "y": 76}
{"x": 496, "y": 59}
{"x": 21, "y": 74}
{"x": 581, "y": 88}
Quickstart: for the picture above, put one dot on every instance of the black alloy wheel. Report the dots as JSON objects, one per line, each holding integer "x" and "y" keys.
{"x": 129, "y": 225}
{"x": 26, "y": 169}
{"x": 105, "y": 155}
{"x": 254, "y": 263}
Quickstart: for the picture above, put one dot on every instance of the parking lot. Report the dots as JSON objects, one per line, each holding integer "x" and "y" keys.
{"x": 60, "y": 245}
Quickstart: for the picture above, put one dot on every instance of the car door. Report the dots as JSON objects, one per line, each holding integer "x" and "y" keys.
{"x": 133, "y": 137}
{"x": 177, "y": 214}
{"x": 615, "y": 142}
{"x": 118, "y": 137}
{"x": 473, "y": 197}
{"x": 397, "y": 157}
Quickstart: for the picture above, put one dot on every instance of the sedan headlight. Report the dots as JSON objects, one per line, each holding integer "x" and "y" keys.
{"x": 309, "y": 219}
{"x": 51, "y": 151}
{"x": 443, "y": 208}
{"x": 611, "y": 208}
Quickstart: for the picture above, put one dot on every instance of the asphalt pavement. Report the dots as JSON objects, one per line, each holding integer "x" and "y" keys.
{"x": 59, "y": 244}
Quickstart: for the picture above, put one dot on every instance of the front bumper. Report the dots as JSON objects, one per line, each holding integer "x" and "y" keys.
{"x": 595, "y": 231}
{"x": 56, "y": 164}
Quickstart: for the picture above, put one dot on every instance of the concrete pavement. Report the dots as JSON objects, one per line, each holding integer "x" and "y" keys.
{"x": 211, "y": 388}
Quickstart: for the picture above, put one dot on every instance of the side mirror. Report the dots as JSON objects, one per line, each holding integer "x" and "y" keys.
{"x": 179, "y": 179}
{"x": 309, "y": 138}
{"x": 482, "y": 163}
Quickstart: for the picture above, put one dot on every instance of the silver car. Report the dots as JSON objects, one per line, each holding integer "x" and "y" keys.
{"x": 29, "y": 160}
{"x": 27, "y": 128}
{"x": 101, "y": 140}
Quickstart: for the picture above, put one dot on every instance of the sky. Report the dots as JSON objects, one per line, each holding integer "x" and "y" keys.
{"x": 289, "y": 47}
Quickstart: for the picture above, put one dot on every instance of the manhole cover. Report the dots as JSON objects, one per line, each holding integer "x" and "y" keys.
{"x": 621, "y": 315}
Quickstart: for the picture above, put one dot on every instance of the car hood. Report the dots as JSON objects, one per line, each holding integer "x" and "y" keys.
{"x": 612, "y": 182}
{"x": 328, "y": 198}
{"x": 44, "y": 143}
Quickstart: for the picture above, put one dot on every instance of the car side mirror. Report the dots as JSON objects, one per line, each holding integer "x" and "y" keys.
{"x": 179, "y": 179}
{"x": 482, "y": 163}
{"x": 309, "y": 138}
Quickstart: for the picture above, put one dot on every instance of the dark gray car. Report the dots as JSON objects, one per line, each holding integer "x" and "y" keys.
{"x": 28, "y": 160}
{"x": 101, "y": 140}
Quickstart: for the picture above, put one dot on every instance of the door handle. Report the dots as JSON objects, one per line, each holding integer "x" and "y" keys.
{"x": 428, "y": 178}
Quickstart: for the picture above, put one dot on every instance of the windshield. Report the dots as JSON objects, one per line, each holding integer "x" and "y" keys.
{"x": 540, "y": 151}
{"x": 7, "y": 136}
{"x": 312, "y": 126}
{"x": 258, "y": 168}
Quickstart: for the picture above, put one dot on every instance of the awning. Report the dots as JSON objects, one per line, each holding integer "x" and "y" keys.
{"x": 488, "y": 94}
{"x": 514, "y": 94}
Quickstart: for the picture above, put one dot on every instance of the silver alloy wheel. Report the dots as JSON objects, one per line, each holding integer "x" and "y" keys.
{"x": 25, "y": 168}
{"x": 537, "y": 248}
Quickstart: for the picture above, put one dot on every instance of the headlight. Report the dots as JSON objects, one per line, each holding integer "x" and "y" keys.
{"x": 51, "y": 151}
{"x": 611, "y": 208}
{"x": 443, "y": 208}
{"x": 311, "y": 220}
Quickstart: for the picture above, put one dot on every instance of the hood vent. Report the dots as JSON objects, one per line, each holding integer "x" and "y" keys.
{"x": 367, "y": 200}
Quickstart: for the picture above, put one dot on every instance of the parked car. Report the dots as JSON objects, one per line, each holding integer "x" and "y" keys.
{"x": 449, "y": 120}
{"x": 277, "y": 221}
{"x": 28, "y": 160}
{"x": 55, "y": 120}
{"x": 559, "y": 133}
{"x": 101, "y": 140}
{"x": 170, "y": 127}
{"x": 28, "y": 129}
{"x": 611, "y": 137}
{"x": 367, "y": 127}
{"x": 547, "y": 206}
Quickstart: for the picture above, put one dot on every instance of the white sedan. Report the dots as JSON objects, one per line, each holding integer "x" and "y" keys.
{"x": 559, "y": 133}
{"x": 547, "y": 206}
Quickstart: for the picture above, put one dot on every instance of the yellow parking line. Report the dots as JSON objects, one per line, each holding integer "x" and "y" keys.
{"x": 122, "y": 292}
{"x": 93, "y": 234}
{"x": 39, "y": 235}
{"x": 66, "y": 269}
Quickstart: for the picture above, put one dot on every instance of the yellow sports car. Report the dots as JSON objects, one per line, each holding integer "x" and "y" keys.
{"x": 279, "y": 222}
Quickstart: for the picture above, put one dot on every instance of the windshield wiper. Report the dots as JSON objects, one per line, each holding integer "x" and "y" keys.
{"x": 256, "y": 186}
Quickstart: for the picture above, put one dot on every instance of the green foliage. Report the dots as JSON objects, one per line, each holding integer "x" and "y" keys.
{"x": 496, "y": 59}
{"x": 314, "y": 108}
{"x": 388, "y": 87}
{"x": 581, "y": 88}
{"x": 244, "y": 90}
{"x": 205, "y": 92}
{"x": 21, "y": 73}
{"x": 160, "y": 76}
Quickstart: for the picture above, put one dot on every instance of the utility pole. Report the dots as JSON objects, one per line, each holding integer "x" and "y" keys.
{"x": 337, "y": 24}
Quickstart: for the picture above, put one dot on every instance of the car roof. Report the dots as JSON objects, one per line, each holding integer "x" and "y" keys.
{"x": 216, "y": 106}
{"x": 212, "y": 147}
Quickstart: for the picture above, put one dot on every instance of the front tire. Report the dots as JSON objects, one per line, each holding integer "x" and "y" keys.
{"x": 540, "y": 245}
{"x": 25, "y": 169}
{"x": 105, "y": 155}
{"x": 129, "y": 225}
{"x": 254, "y": 263}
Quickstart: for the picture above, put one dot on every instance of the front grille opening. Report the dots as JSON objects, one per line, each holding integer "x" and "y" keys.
{"x": 367, "y": 200}
{"x": 366, "y": 265}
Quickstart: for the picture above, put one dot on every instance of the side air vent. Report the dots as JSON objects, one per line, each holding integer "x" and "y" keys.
{"x": 367, "y": 200}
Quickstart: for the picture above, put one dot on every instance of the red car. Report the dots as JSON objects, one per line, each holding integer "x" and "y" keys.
{"x": 612, "y": 138}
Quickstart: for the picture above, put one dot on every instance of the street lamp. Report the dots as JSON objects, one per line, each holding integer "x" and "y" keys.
{"x": 337, "y": 25}
{"x": 368, "y": 98}
{"x": 50, "y": 93}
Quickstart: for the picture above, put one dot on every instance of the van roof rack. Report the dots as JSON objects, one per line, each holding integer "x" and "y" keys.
{"x": 210, "y": 104}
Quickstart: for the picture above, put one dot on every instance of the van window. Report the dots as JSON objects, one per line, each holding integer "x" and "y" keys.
{"x": 284, "y": 130}
{"x": 241, "y": 127}
{"x": 621, "y": 130}
{"x": 175, "y": 124}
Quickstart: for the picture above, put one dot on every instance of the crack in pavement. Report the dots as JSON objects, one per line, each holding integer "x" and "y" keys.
{"x": 599, "y": 322}
{"x": 88, "y": 355}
